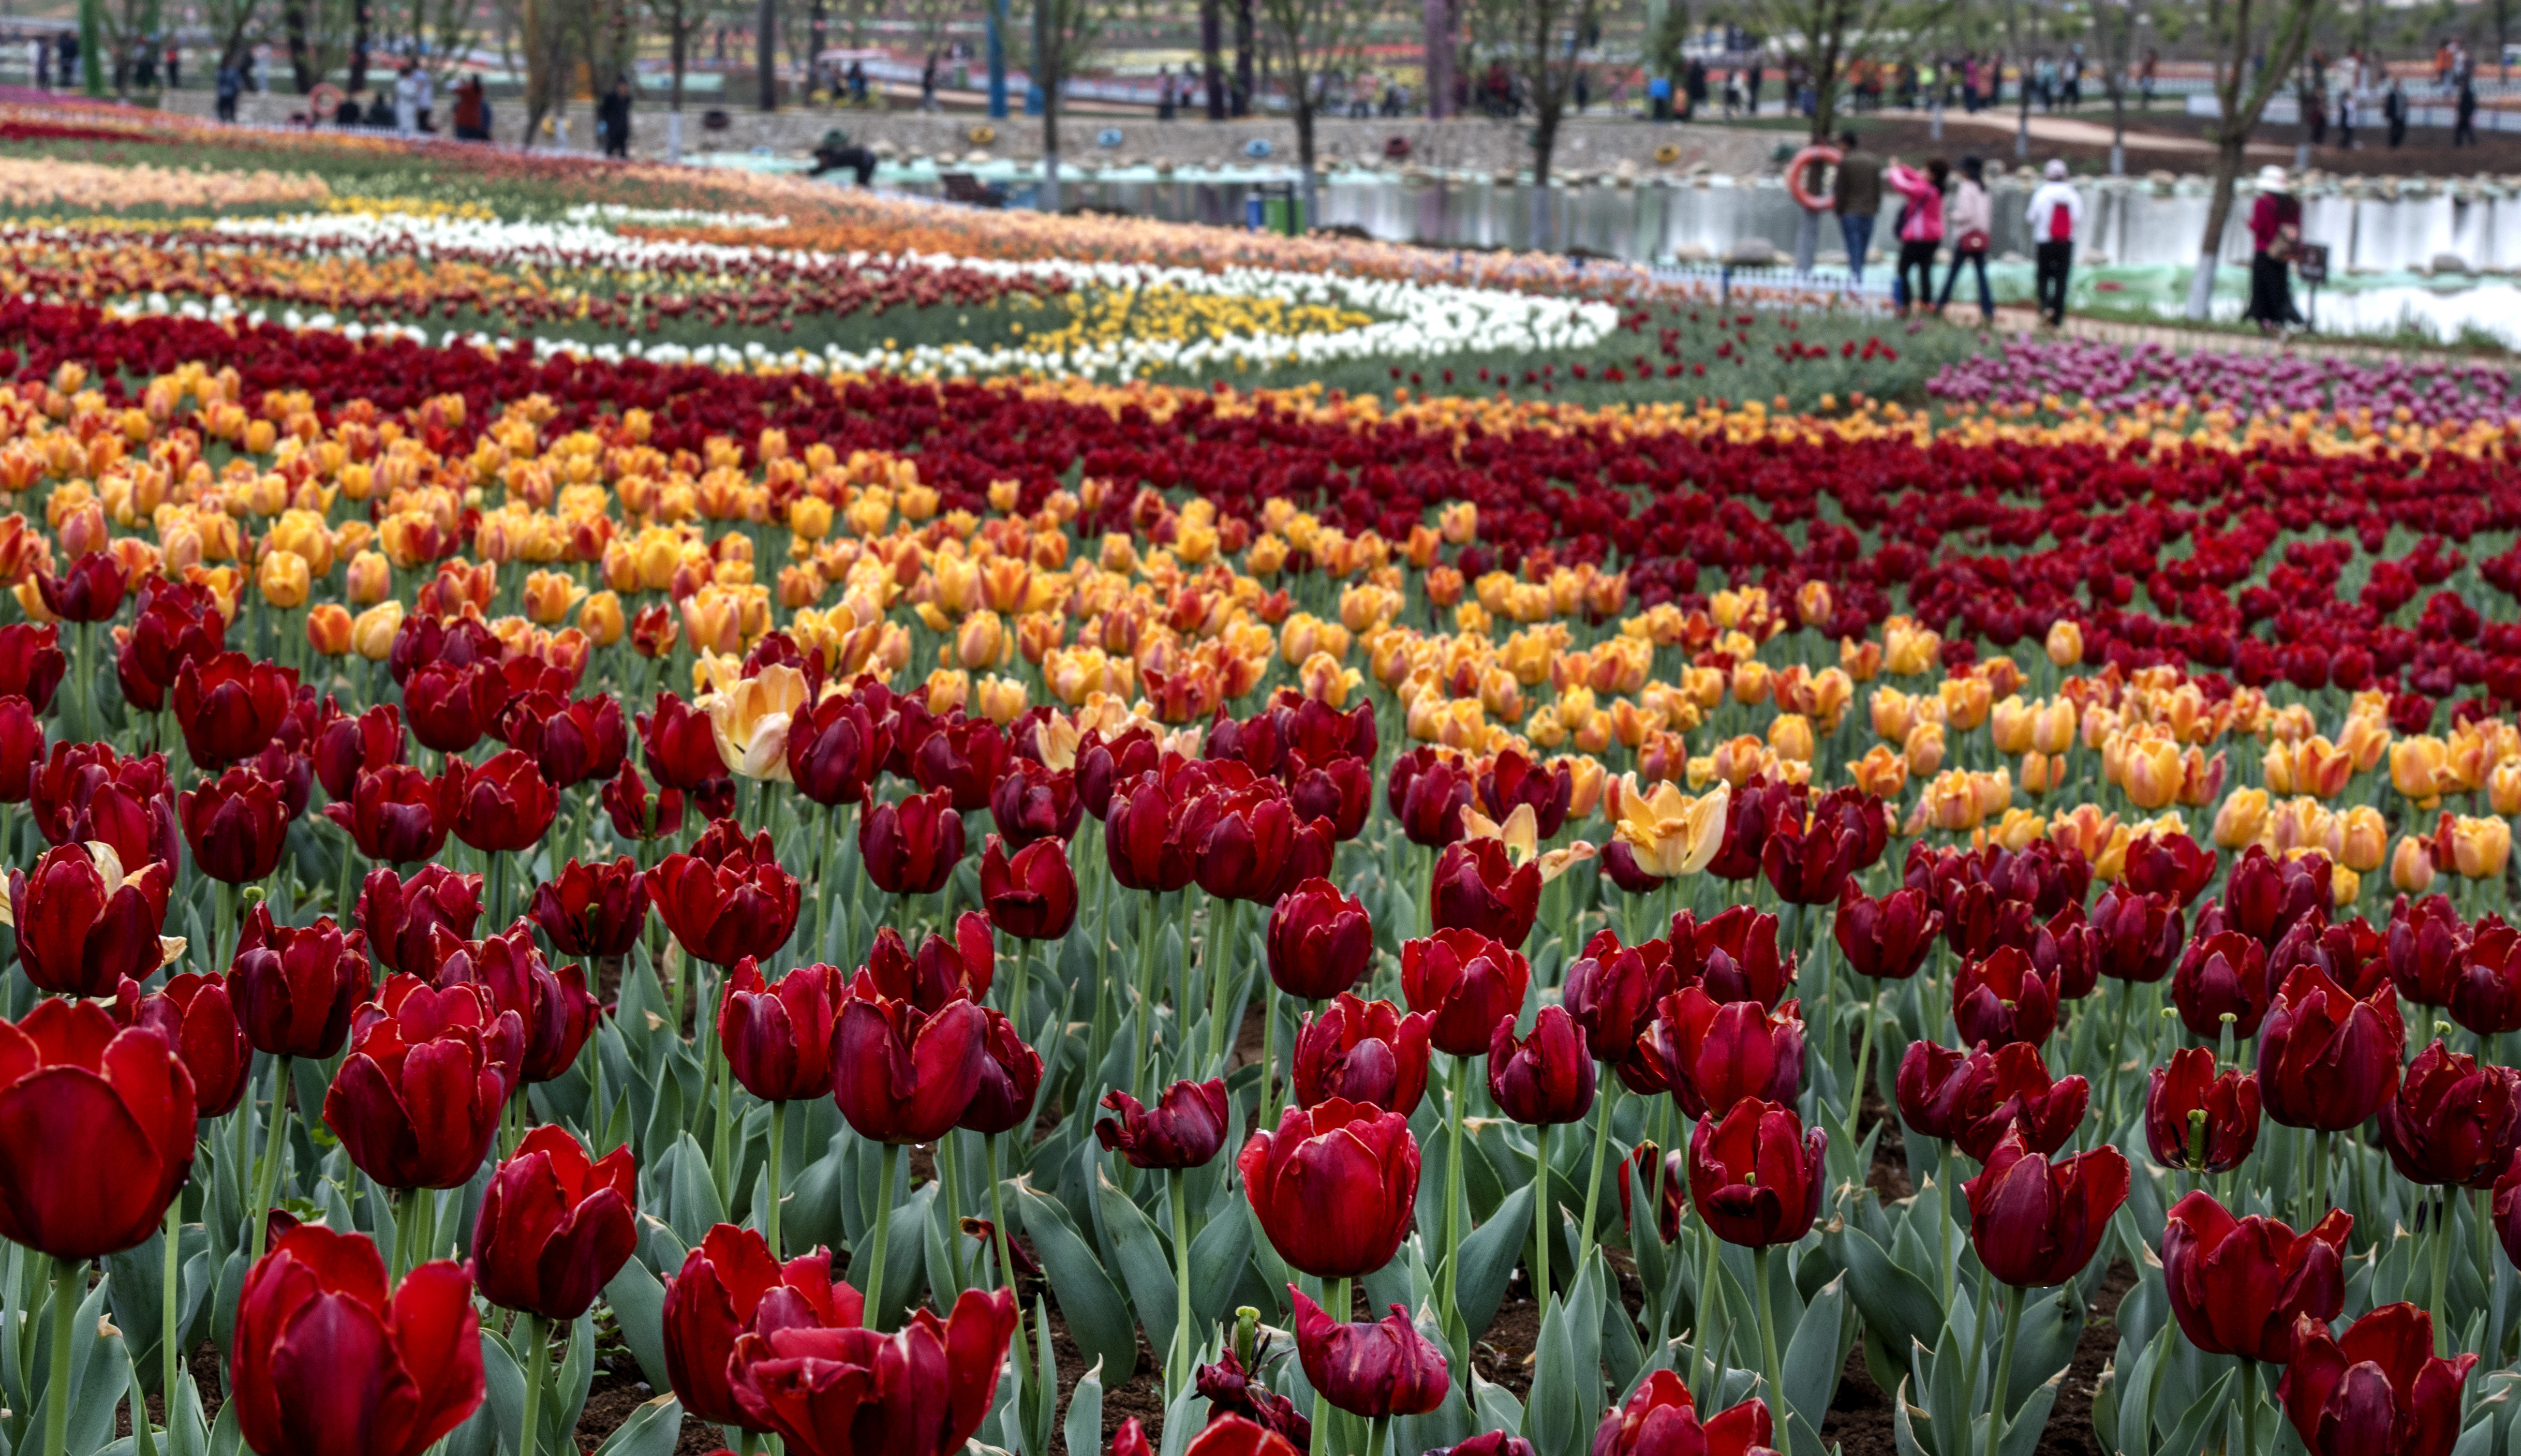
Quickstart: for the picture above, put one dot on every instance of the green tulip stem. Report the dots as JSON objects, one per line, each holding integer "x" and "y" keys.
{"x": 1138, "y": 1081}
{"x": 1461, "y": 1076}
{"x": 1542, "y": 1218}
{"x": 267, "y": 1178}
{"x": 721, "y": 1158}
{"x": 778, "y": 1189}
{"x": 874, "y": 1290}
{"x": 1770, "y": 1369}
{"x": 1710, "y": 1300}
{"x": 1185, "y": 1345}
{"x": 1336, "y": 1300}
{"x": 1996, "y": 1395}
{"x": 746, "y": 1443}
{"x": 1268, "y": 1051}
{"x": 1225, "y": 919}
{"x": 2249, "y": 1397}
{"x": 1863, "y": 1059}
{"x": 1381, "y": 1441}
{"x": 537, "y": 1369}
{"x": 170, "y": 1339}
{"x": 950, "y": 1171}
{"x": 67, "y": 1285}
{"x": 998, "y": 1225}
{"x": 1015, "y": 988}
{"x": 1978, "y": 1345}
{"x": 2441, "y": 1242}
{"x": 1101, "y": 1043}
{"x": 1609, "y": 1096}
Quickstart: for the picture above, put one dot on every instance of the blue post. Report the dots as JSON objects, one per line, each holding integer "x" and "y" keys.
{"x": 998, "y": 58}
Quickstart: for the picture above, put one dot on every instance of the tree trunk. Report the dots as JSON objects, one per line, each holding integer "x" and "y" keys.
{"x": 2219, "y": 212}
{"x": 765, "y": 55}
{"x": 2021, "y": 117}
{"x": 359, "y": 47}
{"x": 1046, "y": 75}
{"x": 814, "y": 41}
{"x": 1243, "y": 96}
{"x": 302, "y": 61}
{"x": 680, "y": 38}
{"x": 1438, "y": 64}
{"x": 1212, "y": 43}
{"x": 1301, "y": 87}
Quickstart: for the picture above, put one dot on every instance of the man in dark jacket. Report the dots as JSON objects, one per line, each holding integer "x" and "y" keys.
{"x": 1855, "y": 197}
{"x": 613, "y": 118}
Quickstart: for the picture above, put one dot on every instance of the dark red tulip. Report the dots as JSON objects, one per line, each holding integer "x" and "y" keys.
{"x": 921, "y": 1390}
{"x": 32, "y": 664}
{"x": 1733, "y": 955}
{"x": 236, "y": 825}
{"x": 944, "y": 971}
{"x": 778, "y": 1035}
{"x": 402, "y": 916}
{"x": 1427, "y": 792}
{"x": 1247, "y": 843}
{"x": 573, "y": 742}
{"x": 1807, "y": 859}
{"x": 2378, "y": 1389}
{"x": 1477, "y": 887}
{"x": 2326, "y": 1059}
{"x": 1238, "y": 1406}
{"x": 1320, "y": 942}
{"x": 1649, "y": 1164}
{"x": 555, "y": 1226}
{"x": 421, "y": 1095}
{"x": 910, "y": 847}
{"x": 1754, "y": 1175}
{"x": 2004, "y": 998}
{"x": 2352, "y": 954}
{"x": 1031, "y": 803}
{"x": 727, "y": 898}
{"x": 1031, "y": 894}
{"x": 553, "y": 1006}
{"x": 91, "y": 590}
{"x": 1182, "y": 1130}
{"x": 2188, "y": 1088}
{"x": 679, "y": 746}
{"x": 288, "y": 772}
{"x": 505, "y": 804}
{"x": 2486, "y": 990}
{"x": 636, "y": 814}
{"x": 452, "y": 707}
{"x": 1002, "y": 1099}
{"x": 1102, "y": 764}
{"x": 1510, "y": 780}
{"x": 2035, "y": 1223}
{"x": 963, "y": 760}
{"x": 96, "y": 1130}
{"x": 2170, "y": 866}
{"x": 196, "y": 1016}
{"x": 1660, "y": 1420}
{"x": 1547, "y": 1078}
{"x": 725, "y": 1284}
{"x": 397, "y": 814}
{"x": 1377, "y": 1369}
{"x": 2220, "y": 975}
{"x": 424, "y": 638}
{"x": 2507, "y": 1209}
{"x": 1715, "y": 1054}
{"x": 83, "y": 925}
{"x": 1612, "y": 991}
{"x": 22, "y": 749}
{"x": 342, "y": 748}
{"x": 2265, "y": 896}
{"x": 593, "y": 910}
{"x": 230, "y": 706}
{"x": 328, "y": 1358}
{"x": 2427, "y": 946}
{"x": 1747, "y": 815}
{"x": 1361, "y": 1051}
{"x": 2237, "y": 1285}
{"x": 903, "y": 1075}
{"x": 295, "y": 986}
{"x": 1339, "y": 789}
{"x": 177, "y": 623}
{"x": 1463, "y": 983}
{"x": 2452, "y": 1121}
{"x": 1620, "y": 863}
{"x": 835, "y": 750}
{"x": 1334, "y": 1186}
{"x": 83, "y": 791}
{"x": 1888, "y": 938}
{"x": 2136, "y": 936}
{"x": 1142, "y": 829}
{"x": 1973, "y": 1099}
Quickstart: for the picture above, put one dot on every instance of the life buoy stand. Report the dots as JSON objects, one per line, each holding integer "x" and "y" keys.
{"x": 1795, "y": 171}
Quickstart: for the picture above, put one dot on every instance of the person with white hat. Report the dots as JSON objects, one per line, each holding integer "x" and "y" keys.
{"x": 2276, "y": 236}
{"x": 2055, "y": 213}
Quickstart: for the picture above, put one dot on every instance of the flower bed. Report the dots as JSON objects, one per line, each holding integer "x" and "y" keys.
{"x": 2110, "y": 379}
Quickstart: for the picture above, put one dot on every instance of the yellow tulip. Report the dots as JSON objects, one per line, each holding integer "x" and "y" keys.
{"x": 1668, "y": 832}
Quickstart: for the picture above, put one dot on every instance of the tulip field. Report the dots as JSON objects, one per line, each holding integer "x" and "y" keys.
{"x": 653, "y": 811}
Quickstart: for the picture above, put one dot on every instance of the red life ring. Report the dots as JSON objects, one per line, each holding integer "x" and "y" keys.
{"x": 1812, "y": 202}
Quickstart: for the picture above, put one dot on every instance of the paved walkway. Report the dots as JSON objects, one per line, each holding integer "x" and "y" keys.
{"x": 2076, "y": 131}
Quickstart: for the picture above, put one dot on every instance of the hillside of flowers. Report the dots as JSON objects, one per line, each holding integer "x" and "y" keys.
{"x": 605, "y": 857}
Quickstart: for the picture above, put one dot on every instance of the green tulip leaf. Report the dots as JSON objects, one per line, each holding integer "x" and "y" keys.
{"x": 1219, "y": 1253}
{"x": 2190, "y": 1433}
{"x": 2044, "y": 1345}
{"x": 1496, "y": 1405}
{"x": 504, "y": 1402}
{"x": 653, "y": 1429}
{"x": 1817, "y": 1355}
{"x": 2022, "y": 1437}
{"x": 1083, "y": 1427}
{"x": 638, "y": 1303}
{"x": 1096, "y": 1314}
{"x": 1896, "y": 1303}
{"x": 1550, "y": 1421}
{"x": 1138, "y": 1254}
{"x": 566, "y": 1397}
{"x": 1489, "y": 1257}
{"x": 1904, "y": 1433}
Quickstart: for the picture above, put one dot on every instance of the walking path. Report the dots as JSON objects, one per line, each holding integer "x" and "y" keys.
{"x": 2076, "y": 131}
{"x": 2020, "y": 321}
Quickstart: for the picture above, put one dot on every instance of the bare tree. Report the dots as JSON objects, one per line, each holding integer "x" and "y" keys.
{"x": 1823, "y": 36}
{"x": 1551, "y": 39}
{"x": 1064, "y": 33}
{"x": 2114, "y": 23}
{"x": 1314, "y": 43}
{"x": 325, "y": 36}
{"x": 681, "y": 20}
{"x": 2241, "y": 96}
{"x": 235, "y": 26}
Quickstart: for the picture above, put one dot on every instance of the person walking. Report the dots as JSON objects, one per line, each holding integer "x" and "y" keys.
{"x": 2147, "y": 75}
{"x": 2055, "y": 213}
{"x": 1969, "y": 218}
{"x": 230, "y": 85}
{"x": 2394, "y": 110}
{"x": 2346, "y": 119}
{"x": 2275, "y": 238}
{"x": 406, "y": 106}
{"x": 1921, "y": 228}
{"x": 1855, "y": 196}
{"x": 2465, "y": 116}
{"x": 472, "y": 111}
{"x": 613, "y": 118}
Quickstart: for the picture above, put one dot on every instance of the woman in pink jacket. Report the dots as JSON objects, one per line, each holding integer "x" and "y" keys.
{"x": 1921, "y": 228}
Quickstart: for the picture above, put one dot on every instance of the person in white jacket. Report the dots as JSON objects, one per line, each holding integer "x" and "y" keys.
{"x": 2055, "y": 215}
{"x": 1969, "y": 220}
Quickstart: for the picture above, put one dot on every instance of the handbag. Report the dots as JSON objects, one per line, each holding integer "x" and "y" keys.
{"x": 1973, "y": 241}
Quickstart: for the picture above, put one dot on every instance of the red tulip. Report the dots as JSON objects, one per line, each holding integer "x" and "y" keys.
{"x": 32, "y": 664}
{"x": 451, "y": 706}
{"x": 2168, "y": 867}
{"x": 1477, "y": 888}
{"x": 727, "y": 898}
{"x": 554, "y": 1007}
{"x": 2138, "y": 936}
{"x": 727, "y": 1285}
{"x": 2427, "y": 945}
{"x": 944, "y": 970}
{"x": 2264, "y": 896}
{"x": 96, "y": 1130}
{"x": 1648, "y": 1164}
{"x": 1510, "y": 780}
{"x": 1427, "y": 793}
{"x": 1031, "y": 803}
{"x": 2035, "y": 1223}
{"x": 2326, "y": 1059}
{"x": 962, "y": 758}
{"x": 1733, "y": 955}
{"x": 1612, "y": 990}
{"x": 1002, "y": 1097}
{"x": 1102, "y": 764}
{"x": 2486, "y": 990}
{"x": 1222, "y": 1435}
{"x": 903, "y": 1075}
{"x": 1361, "y": 1051}
{"x": 83, "y": 791}
{"x": 778, "y": 1035}
{"x": 1377, "y": 1369}
{"x": 1031, "y": 894}
{"x": 397, "y": 814}
{"x": 1320, "y": 942}
{"x": 295, "y": 987}
{"x": 679, "y": 746}
{"x": 1142, "y": 829}
{"x": 1334, "y": 1186}
{"x": 1807, "y": 859}
{"x": 2452, "y": 1121}
{"x": 2220, "y": 974}
{"x": 1237, "y": 1401}
{"x": 2376, "y": 1390}
{"x": 423, "y": 1090}
{"x": 1660, "y": 1420}
{"x": 2237, "y": 1285}
{"x": 593, "y": 910}
{"x": 579, "y": 741}
{"x": 2004, "y": 998}
{"x": 401, "y": 917}
{"x": 639, "y": 815}
{"x": 835, "y": 750}
{"x": 1339, "y": 789}
{"x": 177, "y": 623}
{"x": 345, "y": 748}
{"x": 1712, "y": 1054}
{"x": 1886, "y": 938}
{"x": 1246, "y": 843}
{"x": 194, "y": 1015}
{"x": 231, "y": 705}
{"x": 327, "y": 1359}
{"x": 506, "y": 804}
{"x": 83, "y": 925}
{"x": 555, "y": 1226}
{"x": 1463, "y": 982}
{"x": 1545, "y": 1078}
{"x": 2187, "y": 1088}
{"x": 850, "y": 1391}
{"x": 910, "y": 847}
{"x": 1183, "y": 1129}
{"x": 1754, "y": 1175}
{"x": 236, "y": 826}
{"x": 22, "y": 749}
{"x": 91, "y": 590}
{"x": 425, "y": 638}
